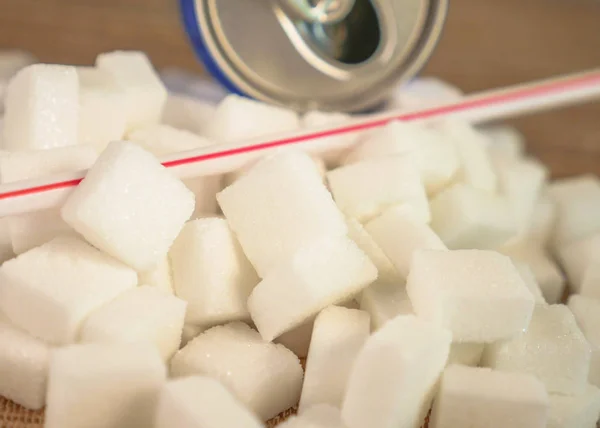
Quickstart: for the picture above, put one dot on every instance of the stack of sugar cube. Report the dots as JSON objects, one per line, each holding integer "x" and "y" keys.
{"x": 413, "y": 268}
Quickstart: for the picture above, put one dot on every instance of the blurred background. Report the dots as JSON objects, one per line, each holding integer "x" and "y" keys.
{"x": 486, "y": 43}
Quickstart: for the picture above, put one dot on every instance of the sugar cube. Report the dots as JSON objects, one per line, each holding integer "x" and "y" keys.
{"x": 395, "y": 374}
{"x": 143, "y": 314}
{"x": 337, "y": 144}
{"x": 178, "y": 406}
{"x": 33, "y": 229}
{"x": 102, "y": 108}
{"x": 575, "y": 411}
{"x": 42, "y": 108}
{"x": 189, "y": 332}
{"x": 238, "y": 118}
{"x": 328, "y": 272}
{"x": 577, "y": 256}
{"x": 544, "y": 219}
{"x": 505, "y": 142}
{"x": 162, "y": 140}
{"x": 466, "y": 354}
{"x": 49, "y": 290}
{"x": 103, "y": 386}
{"x": 478, "y": 295}
{"x": 435, "y": 157}
{"x": 476, "y": 170}
{"x": 384, "y": 301}
{"x": 145, "y": 94}
{"x": 484, "y": 398}
{"x": 590, "y": 286}
{"x": 23, "y": 367}
{"x": 545, "y": 271}
{"x": 278, "y": 207}
{"x": 160, "y": 276}
{"x": 399, "y": 232}
{"x": 265, "y": 377}
{"x": 465, "y": 217}
{"x": 587, "y": 314}
{"x": 129, "y": 206}
{"x": 318, "y": 416}
{"x": 188, "y": 113}
{"x": 521, "y": 182}
{"x": 364, "y": 189}
{"x": 386, "y": 270}
{"x": 337, "y": 337}
{"x": 211, "y": 272}
{"x": 577, "y": 202}
{"x": 553, "y": 348}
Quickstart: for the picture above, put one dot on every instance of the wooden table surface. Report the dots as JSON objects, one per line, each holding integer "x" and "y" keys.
{"x": 486, "y": 43}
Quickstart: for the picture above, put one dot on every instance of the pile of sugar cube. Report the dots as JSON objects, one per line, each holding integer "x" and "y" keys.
{"x": 417, "y": 270}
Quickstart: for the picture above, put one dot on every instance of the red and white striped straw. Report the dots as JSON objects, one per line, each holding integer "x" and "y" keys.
{"x": 48, "y": 192}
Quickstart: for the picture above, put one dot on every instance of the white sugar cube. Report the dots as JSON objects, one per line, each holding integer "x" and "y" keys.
{"x": 400, "y": 232}
{"x": 103, "y": 108}
{"x": 50, "y": 290}
{"x": 575, "y": 411}
{"x": 33, "y": 229}
{"x": 278, "y": 207}
{"x": 188, "y": 113}
{"x": 338, "y": 335}
{"x": 129, "y": 206}
{"x": 23, "y": 367}
{"x": 546, "y": 273}
{"x": 521, "y": 182}
{"x": 364, "y": 189}
{"x": 144, "y": 91}
{"x": 162, "y": 140}
{"x": 189, "y": 332}
{"x": 178, "y": 406}
{"x": 160, "y": 276}
{"x": 42, "y": 108}
{"x": 395, "y": 374}
{"x": 590, "y": 286}
{"x": 386, "y": 270}
{"x": 553, "y": 348}
{"x": 103, "y": 386}
{"x": 465, "y": 217}
{"x": 237, "y": 119}
{"x": 211, "y": 273}
{"x": 476, "y": 169}
{"x": 318, "y": 416}
{"x": 587, "y": 314}
{"x": 480, "y": 397}
{"x": 31, "y": 164}
{"x": 337, "y": 144}
{"x": 265, "y": 377}
{"x": 466, "y": 354}
{"x": 577, "y": 206}
{"x": 431, "y": 151}
{"x": 384, "y": 301}
{"x": 544, "y": 219}
{"x": 577, "y": 256}
{"x": 328, "y": 272}
{"x": 478, "y": 295}
{"x": 505, "y": 142}
{"x": 532, "y": 285}
{"x": 143, "y": 314}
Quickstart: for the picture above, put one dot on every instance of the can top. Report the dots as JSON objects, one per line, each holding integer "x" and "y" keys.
{"x": 347, "y": 60}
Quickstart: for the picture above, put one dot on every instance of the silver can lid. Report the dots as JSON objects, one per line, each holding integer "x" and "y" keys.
{"x": 341, "y": 55}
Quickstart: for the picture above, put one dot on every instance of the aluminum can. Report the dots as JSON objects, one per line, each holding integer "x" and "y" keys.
{"x": 328, "y": 55}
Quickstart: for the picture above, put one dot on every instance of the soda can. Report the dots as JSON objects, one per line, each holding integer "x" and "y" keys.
{"x": 328, "y": 55}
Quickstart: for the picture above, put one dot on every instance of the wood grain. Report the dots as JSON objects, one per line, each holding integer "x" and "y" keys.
{"x": 486, "y": 43}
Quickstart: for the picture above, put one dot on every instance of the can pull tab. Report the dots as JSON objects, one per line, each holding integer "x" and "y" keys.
{"x": 320, "y": 11}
